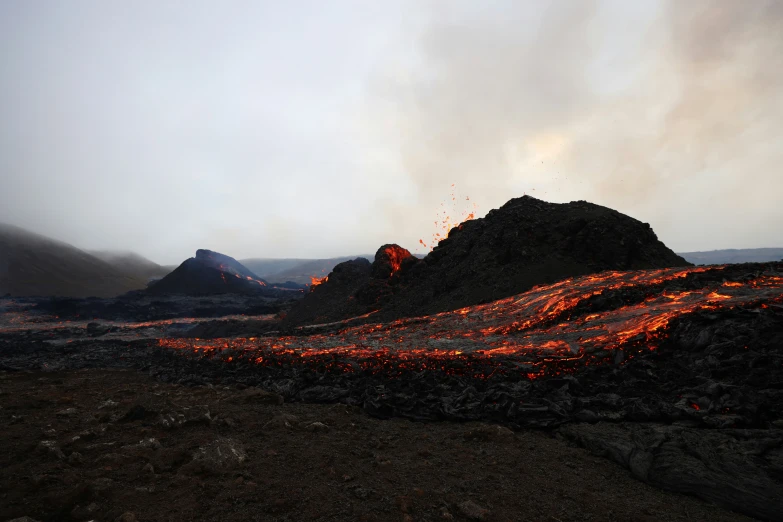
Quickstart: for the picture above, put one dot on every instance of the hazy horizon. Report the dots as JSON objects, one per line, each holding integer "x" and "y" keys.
{"x": 306, "y": 130}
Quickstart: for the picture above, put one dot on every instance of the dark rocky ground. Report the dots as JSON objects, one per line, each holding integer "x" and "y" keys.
{"x": 109, "y": 445}
{"x": 524, "y": 243}
{"x": 139, "y": 306}
{"x": 701, "y": 414}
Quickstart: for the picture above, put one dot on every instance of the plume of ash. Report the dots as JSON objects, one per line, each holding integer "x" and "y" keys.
{"x": 669, "y": 111}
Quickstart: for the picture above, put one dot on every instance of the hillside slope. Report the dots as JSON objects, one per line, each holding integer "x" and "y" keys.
{"x": 35, "y": 265}
{"x": 131, "y": 263}
{"x": 212, "y": 273}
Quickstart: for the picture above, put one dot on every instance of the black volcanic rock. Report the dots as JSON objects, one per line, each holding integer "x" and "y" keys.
{"x": 526, "y": 242}
{"x": 224, "y": 263}
{"x": 333, "y": 299}
{"x": 210, "y": 273}
{"x": 390, "y": 261}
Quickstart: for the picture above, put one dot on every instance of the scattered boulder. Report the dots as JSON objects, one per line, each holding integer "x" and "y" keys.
{"x": 736, "y": 469}
{"x": 219, "y": 456}
{"x": 128, "y": 516}
{"x": 284, "y": 421}
{"x": 473, "y": 511}
{"x": 50, "y": 447}
{"x": 316, "y": 427}
{"x": 185, "y": 416}
{"x": 259, "y": 396}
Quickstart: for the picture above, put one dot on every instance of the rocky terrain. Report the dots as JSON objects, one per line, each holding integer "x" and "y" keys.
{"x": 219, "y": 395}
{"x": 524, "y": 243}
{"x": 674, "y": 374}
{"x": 118, "y": 445}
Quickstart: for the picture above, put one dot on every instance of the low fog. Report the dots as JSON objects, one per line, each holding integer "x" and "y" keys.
{"x": 310, "y": 129}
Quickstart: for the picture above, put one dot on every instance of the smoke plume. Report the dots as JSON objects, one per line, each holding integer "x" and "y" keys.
{"x": 670, "y": 112}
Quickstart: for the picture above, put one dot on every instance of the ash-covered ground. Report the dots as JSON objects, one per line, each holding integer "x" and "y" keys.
{"x": 676, "y": 374}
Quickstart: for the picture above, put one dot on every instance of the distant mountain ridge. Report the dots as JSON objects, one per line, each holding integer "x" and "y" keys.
{"x": 131, "y": 263}
{"x": 210, "y": 273}
{"x": 36, "y": 265}
{"x": 296, "y": 270}
{"x": 733, "y": 255}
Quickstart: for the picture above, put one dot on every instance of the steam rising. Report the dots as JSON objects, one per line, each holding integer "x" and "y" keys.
{"x": 670, "y": 112}
{"x": 312, "y": 129}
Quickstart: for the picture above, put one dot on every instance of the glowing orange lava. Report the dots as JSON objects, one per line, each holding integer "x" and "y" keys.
{"x": 544, "y": 328}
{"x": 315, "y": 280}
{"x": 444, "y": 222}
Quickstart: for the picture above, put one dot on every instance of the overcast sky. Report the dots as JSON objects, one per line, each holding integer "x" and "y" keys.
{"x": 318, "y": 129}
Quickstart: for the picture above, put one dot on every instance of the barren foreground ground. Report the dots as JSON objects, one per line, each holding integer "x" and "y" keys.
{"x": 102, "y": 445}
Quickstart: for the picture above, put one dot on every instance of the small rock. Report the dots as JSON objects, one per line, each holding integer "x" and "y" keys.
{"x": 221, "y": 455}
{"x": 187, "y": 416}
{"x": 473, "y": 511}
{"x": 361, "y": 493}
{"x": 84, "y": 436}
{"x": 128, "y": 516}
{"x": 282, "y": 420}
{"x": 486, "y": 433}
{"x": 75, "y": 458}
{"x": 137, "y": 412}
{"x": 67, "y": 412}
{"x": 23, "y": 519}
{"x": 50, "y": 447}
{"x": 317, "y": 426}
{"x": 102, "y": 484}
{"x": 259, "y": 396}
{"x": 83, "y": 512}
{"x": 151, "y": 443}
{"x": 108, "y": 405}
{"x": 148, "y": 468}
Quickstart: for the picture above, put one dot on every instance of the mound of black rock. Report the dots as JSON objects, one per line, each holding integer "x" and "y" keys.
{"x": 524, "y": 243}
{"x": 212, "y": 273}
{"x": 353, "y": 288}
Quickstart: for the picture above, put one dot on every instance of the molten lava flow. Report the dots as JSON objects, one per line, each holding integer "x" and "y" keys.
{"x": 395, "y": 255}
{"x": 315, "y": 281}
{"x": 547, "y": 330}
